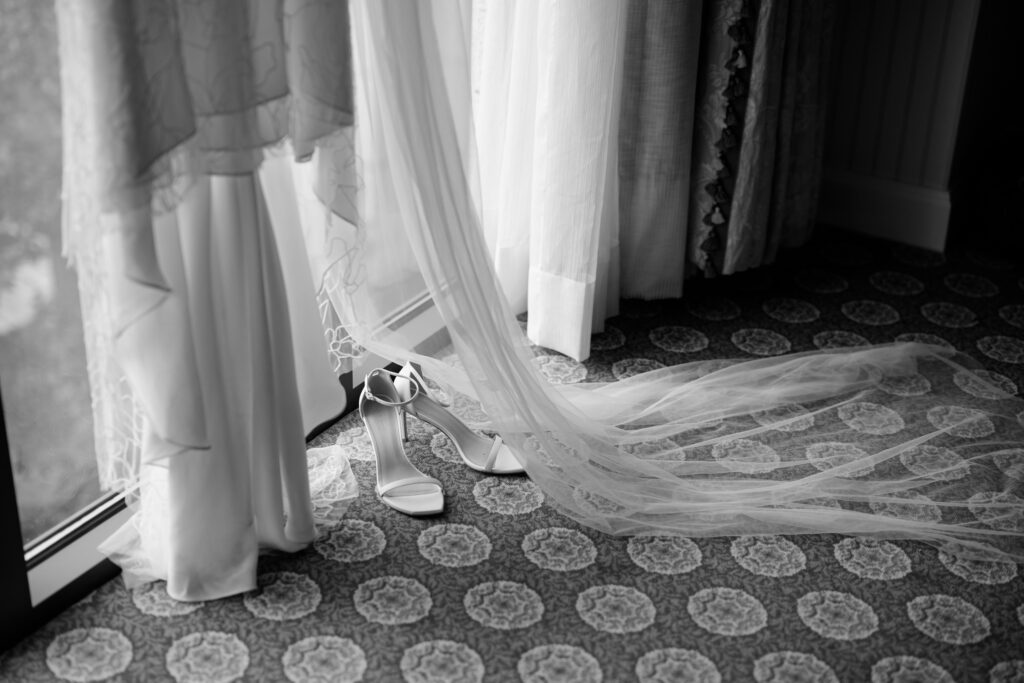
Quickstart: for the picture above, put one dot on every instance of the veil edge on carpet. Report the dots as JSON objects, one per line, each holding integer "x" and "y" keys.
{"x": 819, "y": 442}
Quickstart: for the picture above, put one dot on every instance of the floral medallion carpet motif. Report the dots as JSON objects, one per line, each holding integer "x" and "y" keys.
{"x": 501, "y": 587}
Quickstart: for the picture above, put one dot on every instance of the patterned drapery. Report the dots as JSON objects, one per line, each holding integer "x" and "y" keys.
{"x": 721, "y": 139}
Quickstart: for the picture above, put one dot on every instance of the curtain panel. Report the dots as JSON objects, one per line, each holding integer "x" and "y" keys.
{"x": 624, "y": 147}
{"x": 722, "y": 131}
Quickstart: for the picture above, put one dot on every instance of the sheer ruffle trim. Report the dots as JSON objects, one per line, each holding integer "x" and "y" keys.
{"x": 168, "y": 178}
{"x": 734, "y": 95}
{"x": 332, "y": 485}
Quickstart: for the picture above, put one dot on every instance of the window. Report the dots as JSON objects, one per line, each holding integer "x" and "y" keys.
{"x": 49, "y": 477}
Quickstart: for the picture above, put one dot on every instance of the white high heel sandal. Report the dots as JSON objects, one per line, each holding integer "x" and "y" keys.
{"x": 481, "y": 453}
{"x": 399, "y": 484}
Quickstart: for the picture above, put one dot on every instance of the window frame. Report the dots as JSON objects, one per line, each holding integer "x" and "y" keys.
{"x": 21, "y": 566}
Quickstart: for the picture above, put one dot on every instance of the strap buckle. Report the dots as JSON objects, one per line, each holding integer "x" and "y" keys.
{"x": 384, "y": 401}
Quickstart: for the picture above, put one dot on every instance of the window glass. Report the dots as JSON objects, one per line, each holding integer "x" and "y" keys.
{"x": 42, "y": 356}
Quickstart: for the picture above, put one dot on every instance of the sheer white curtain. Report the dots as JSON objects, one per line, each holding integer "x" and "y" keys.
{"x": 547, "y": 83}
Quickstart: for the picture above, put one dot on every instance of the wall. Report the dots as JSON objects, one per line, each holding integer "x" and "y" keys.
{"x": 987, "y": 182}
{"x": 898, "y": 83}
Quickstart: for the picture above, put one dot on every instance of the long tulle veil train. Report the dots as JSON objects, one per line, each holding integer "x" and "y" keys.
{"x": 876, "y": 441}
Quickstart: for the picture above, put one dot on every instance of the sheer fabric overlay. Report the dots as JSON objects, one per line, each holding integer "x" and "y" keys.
{"x": 838, "y": 441}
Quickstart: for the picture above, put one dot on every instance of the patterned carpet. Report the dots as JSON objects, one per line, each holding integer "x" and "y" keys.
{"x": 503, "y": 588}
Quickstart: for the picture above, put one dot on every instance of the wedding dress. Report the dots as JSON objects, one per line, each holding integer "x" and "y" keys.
{"x": 877, "y": 441}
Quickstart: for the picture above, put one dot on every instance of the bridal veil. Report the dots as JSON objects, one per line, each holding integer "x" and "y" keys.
{"x": 877, "y": 441}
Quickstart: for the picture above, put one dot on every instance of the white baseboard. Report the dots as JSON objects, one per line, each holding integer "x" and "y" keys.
{"x": 913, "y": 215}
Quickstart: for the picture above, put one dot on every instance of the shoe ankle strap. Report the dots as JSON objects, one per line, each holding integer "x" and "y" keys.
{"x": 410, "y": 373}
{"x": 385, "y": 401}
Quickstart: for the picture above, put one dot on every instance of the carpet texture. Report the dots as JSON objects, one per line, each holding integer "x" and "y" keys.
{"x": 503, "y": 588}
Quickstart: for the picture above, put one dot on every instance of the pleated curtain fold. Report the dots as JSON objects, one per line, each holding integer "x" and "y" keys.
{"x": 759, "y": 142}
{"x": 546, "y": 82}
